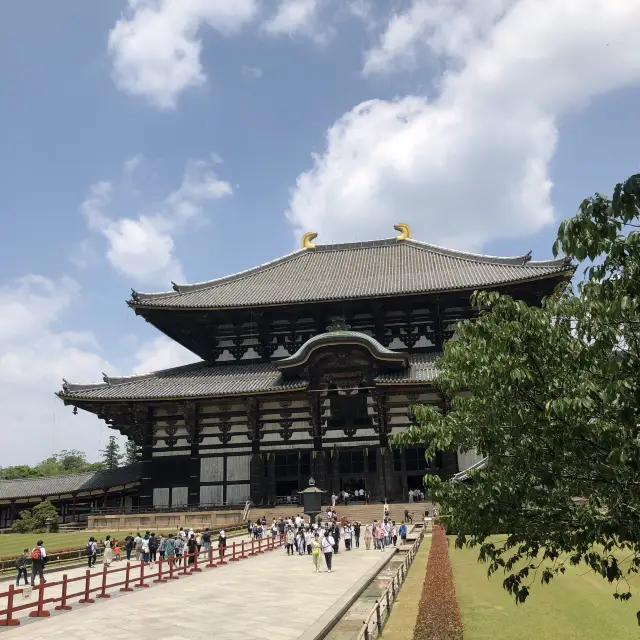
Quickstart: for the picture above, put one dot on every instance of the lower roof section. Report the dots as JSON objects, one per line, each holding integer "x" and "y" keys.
{"x": 200, "y": 380}
{"x": 76, "y": 483}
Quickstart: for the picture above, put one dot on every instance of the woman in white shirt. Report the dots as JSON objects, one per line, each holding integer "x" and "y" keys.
{"x": 346, "y": 534}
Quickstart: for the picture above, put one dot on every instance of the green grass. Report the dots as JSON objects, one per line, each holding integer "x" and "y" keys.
{"x": 405, "y": 609}
{"x": 576, "y": 606}
{"x": 14, "y": 543}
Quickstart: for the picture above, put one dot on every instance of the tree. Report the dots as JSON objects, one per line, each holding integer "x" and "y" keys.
{"x": 111, "y": 454}
{"x": 59, "y": 464}
{"x": 131, "y": 452}
{"x": 42, "y": 517}
{"x": 552, "y": 396}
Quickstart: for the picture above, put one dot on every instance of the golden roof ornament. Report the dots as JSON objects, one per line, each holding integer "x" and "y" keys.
{"x": 307, "y": 240}
{"x": 404, "y": 229}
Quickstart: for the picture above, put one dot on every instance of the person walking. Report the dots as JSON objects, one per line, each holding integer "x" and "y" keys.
{"x": 367, "y": 537}
{"x": 21, "y": 566}
{"x": 179, "y": 545}
{"x": 170, "y": 549}
{"x": 328, "y": 545}
{"x": 107, "y": 555}
{"x": 137, "y": 543}
{"x": 356, "y": 534}
{"x": 346, "y": 532}
{"x": 206, "y": 540}
{"x": 290, "y": 538}
{"x": 145, "y": 549}
{"x": 394, "y": 534}
{"x": 308, "y": 539}
{"x": 222, "y": 544}
{"x": 316, "y": 545}
{"x": 129, "y": 544}
{"x": 38, "y": 560}
{"x": 92, "y": 552}
{"x": 153, "y": 547}
{"x": 192, "y": 546}
{"x": 403, "y": 533}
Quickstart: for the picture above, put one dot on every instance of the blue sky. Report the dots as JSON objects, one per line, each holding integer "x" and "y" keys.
{"x": 151, "y": 140}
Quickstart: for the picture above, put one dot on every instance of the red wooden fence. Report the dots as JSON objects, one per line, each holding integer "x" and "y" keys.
{"x": 134, "y": 576}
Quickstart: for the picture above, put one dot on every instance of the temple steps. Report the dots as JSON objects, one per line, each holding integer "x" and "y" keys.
{"x": 353, "y": 512}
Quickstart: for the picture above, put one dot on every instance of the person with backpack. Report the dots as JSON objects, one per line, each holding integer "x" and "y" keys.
{"x": 129, "y": 544}
{"x": 403, "y": 533}
{"x": 153, "y": 547}
{"x": 91, "y": 551}
{"x": 206, "y": 540}
{"x": 38, "y": 560}
{"x": 21, "y": 566}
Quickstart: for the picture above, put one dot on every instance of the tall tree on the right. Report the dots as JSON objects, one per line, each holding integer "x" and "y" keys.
{"x": 551, "y": 395}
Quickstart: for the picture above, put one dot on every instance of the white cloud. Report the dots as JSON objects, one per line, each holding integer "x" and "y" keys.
{"x": 297, "y": 17}
{"x": 161, "y": 353}
{"x": 143, "y": 247}
{"x": 250, "y": 73}
{"x": 34, "y": 357}
{"x": 472, "y": 163}
{"x": 155, "y": 47}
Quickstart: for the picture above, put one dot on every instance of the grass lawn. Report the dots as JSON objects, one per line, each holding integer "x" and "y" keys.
{"x": 405, "y": 609}
{"x": 576, "y": 606}
{"x": 14, "y": 543}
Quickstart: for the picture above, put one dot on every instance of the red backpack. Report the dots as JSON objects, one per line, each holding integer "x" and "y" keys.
{"x": 36, "y": 554}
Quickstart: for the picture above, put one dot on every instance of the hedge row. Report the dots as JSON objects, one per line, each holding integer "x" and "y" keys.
{"x": 439, "y": 615}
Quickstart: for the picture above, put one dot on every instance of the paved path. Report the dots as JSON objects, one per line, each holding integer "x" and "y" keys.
{"x": 255, "y": 599}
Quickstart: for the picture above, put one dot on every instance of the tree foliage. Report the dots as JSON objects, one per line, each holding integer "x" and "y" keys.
{"x": 66, "y": 462}
{"x": 111, "y": 454}
{"x": 131, "y": 452}
{"x": 552, "y": 396}
{"x": 35, "y": 520}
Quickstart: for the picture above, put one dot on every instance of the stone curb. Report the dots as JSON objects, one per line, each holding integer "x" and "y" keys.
{"x": 323, "y": 625}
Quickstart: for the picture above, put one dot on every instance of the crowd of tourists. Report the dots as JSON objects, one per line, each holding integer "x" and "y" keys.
{"x": 320, "y": 540}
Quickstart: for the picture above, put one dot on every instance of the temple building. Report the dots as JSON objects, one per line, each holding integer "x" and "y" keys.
{"x": 308, "y": 365}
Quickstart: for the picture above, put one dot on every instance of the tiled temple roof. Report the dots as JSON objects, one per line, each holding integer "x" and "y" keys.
{"x": 200, "y": 380}
{"x": 356, "y": 270}
{"x": 57, "y": 485}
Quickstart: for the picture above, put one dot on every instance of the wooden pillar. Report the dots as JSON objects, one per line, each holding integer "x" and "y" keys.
{"x": 146, "y": 479}
{"x": 271, "y": 478}
{"x": 192, "y": 424}
{"x": 256, "y": 465}
{"x": 404, "y": 479}
{"x": 385, "y": 458}
{"x": 73, "y": 506}
{"x": 335, "y": 468}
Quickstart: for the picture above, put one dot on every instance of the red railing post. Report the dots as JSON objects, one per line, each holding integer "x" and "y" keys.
{"x": 211, "y": 564}
{"x": 185, "y": 563}
{"x": 195, "y": 568}
{"x": 63, "y": 606}
{"x": 172, "y": 562}
{"x": 127, "y": 574}
{"x": 103, "y": 592}
{"x": 160, "y": 578}
{"x": 40, "y": 612}
{"x": 10, "y": 621}
{"x": 252, "y": 552}
{"x": 221, "y": 552}
{"x": 243, "y": 555}
{"x": 233, "y": 557}
{"x": 259, "y": 546}
{"x": 87, "y": 590}
{"x": 141, "y": 584}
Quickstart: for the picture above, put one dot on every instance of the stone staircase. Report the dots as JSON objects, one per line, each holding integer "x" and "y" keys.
{"x": 354, "y": 512}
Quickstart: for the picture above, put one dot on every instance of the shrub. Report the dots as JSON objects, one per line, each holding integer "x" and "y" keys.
{"x": 439, "y": 615}
{"x": 35, "y": 520}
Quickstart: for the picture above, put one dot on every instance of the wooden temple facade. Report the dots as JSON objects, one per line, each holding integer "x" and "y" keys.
{"x": 309, "y": 364}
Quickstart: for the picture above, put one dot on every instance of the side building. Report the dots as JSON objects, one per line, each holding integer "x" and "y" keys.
{"x": 309, "y": 364}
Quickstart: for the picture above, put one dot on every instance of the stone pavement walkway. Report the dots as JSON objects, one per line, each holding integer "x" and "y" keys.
{"x": 260, "y": 598}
